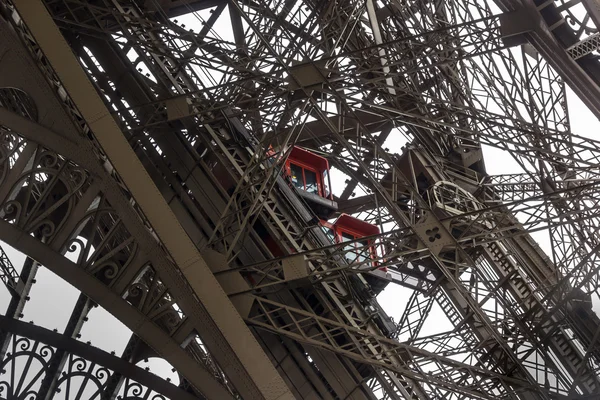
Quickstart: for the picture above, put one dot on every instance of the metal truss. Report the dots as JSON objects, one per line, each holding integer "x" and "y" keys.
{"x": 28, "y": 358}
{"x": 151, "y": 154}
{"x": 8, "y": 274}
{"x": 354, "y": 343}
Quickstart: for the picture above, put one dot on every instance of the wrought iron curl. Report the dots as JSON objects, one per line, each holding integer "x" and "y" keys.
{"x": 581, "y": 28}
{"x": 48, "y": 159}
{"x": 134, "y": 391}
{"x": 41, "y": 199}
{"x": 101, "y": 243}
{"x": 79, "y": 367}
{"x": 37, "y": 357}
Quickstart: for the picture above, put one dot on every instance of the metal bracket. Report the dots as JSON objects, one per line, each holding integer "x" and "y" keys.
{"x": 178, "y": 107}
{"x": 295, "y": 267}
{"x": 433, "y": 234}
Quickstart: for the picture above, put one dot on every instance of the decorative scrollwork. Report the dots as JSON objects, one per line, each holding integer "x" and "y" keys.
{"x": 101, "y": 244}
{"x": 150, "y": 296}
{"x": 40, "y": 201}
{"x": 81, "y": 376}
{"x": 10, "y": 147}
{"x": 134, "y": 391}
{"x": 23, "y": 368}
{"x": 29, "y": 361}
{"x": 577, "y": 17}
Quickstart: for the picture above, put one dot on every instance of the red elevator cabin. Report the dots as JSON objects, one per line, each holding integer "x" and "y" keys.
{"x": 347, "y": 228}
{"x": 309, "y": 174}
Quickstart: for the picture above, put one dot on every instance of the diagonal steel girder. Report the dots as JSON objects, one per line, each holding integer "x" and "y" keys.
{"x": 342, "y": 141}
{"x": 405, "y": 359}
{"x": 540, "y": 36}
{"x": 254, "y": 368}
{"x": 64, "y": 141}
{"x": 242, "y": 168}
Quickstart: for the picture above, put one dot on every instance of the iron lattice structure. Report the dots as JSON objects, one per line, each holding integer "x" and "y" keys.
{"x": 141, "y": 162}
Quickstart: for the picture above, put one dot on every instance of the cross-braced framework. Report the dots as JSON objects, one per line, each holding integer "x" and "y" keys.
{"x": 142, "y": 149}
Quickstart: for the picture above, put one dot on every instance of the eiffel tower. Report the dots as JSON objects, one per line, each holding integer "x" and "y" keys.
{"x": 193, "y": 168}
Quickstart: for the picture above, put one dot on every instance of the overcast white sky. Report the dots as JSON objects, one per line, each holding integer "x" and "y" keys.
{"x": 52, "y": 299}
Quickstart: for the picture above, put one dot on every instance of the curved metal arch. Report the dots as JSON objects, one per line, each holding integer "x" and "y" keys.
{"x": 244, "y": 360}
{"x": 85, "y": 355}
{"x": 133, "y": 318}
{"x": 35, "y": 133}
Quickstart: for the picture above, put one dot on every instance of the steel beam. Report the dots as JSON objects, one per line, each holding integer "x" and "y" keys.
{"x": 460, "y": 87}
{"x": 256, "y": 371}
